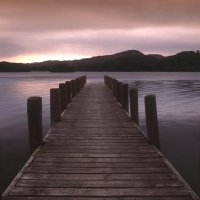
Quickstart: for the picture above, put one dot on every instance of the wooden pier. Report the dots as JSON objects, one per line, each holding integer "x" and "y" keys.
{"x": 97, "y": 152}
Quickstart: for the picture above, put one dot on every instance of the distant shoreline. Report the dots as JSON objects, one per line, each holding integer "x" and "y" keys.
{"x": 127, "y": 61}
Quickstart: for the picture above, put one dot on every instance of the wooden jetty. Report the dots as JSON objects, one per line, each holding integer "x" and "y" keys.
{"x": 97, "y": 152}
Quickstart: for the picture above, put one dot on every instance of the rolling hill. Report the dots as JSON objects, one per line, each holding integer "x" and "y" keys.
{"x": 131, "y": 60}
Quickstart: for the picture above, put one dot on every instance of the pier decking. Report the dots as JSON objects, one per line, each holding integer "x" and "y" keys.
{"x": 98, "y": 153}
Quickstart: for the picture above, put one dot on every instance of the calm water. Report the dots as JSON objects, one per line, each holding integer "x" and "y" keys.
{"x": 178, "y": 102}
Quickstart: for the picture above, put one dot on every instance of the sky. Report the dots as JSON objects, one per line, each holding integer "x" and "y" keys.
{"x": 38, "y": 30}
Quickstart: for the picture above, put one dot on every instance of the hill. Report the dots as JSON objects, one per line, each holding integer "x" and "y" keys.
{"x": 13, "y": 67}
{"x": 131, "y": 60}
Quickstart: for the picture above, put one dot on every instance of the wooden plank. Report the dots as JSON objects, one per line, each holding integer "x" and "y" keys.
{"x": 97, "y": 160}
{"x": 97, "y": 155}
{"x": 46, "y": 176}
{"x": 88, "y": 170}
{"x": 96, "y": 165}
{"x": 99, "y": 192}
{"x": 99, "y": 184}
{"x": 188, "y": 197}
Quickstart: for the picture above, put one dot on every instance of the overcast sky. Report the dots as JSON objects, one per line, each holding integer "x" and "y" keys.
{"x": 68, "y": 29}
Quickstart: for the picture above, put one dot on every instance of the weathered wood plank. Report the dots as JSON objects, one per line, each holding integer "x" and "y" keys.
{"x": 188, "y": 197}
{"x": 96, "y": 165}
{"x": 97, "y": 160}
{"x": 99, "y": 184}
{"x": 46, "y": 176}
{"x": 99, "y": 192}
{"x": 88, "y": 170}
{"x": 97, "y": 155}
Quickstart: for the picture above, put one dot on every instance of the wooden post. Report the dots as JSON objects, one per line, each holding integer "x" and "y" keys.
{"x": 124, "y": 96}
{"x": 55, "y": 108}
{"x": 68, "y": 92}
{"x": 119, "y": 91}
{"x": 85, "y": 79}
{"x": 62, "y": 96}
{"x": 77, "y": 85}
{"x": 111, "y": 84}
{"x": 105, "y": 77}
{"x": 134, "y": 105}
{"x": 73, "y": 84}
{"x": 114, "y": 88}
{"x": 34, "y": 112}
{"x": 152, "y": 120}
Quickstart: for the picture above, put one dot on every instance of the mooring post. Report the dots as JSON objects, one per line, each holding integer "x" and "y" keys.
{"x": 133, "y": 93}
{"x": 73, "y": 84}
{"x": 80, "y": 83}
{"x": 55, "y": 106}
{"x": 119, "y": 91}
{"x": 124, "y": 96}
{"x": 34, "y": 112}
{"x": 62, "y": 96}
{"x": 77, "y": 85}
{"x": 111, "y": 84}
{"x": 81, "y": 80}
{"x": 114, "y": 88}
{"x": 68, "y": 92}
{"x": 85, "y": 79}
{"x": 108, "y": 81}
{"x": 152, "y": 120}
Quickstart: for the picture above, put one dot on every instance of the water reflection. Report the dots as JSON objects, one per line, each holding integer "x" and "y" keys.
{"x": 178, "y": 97}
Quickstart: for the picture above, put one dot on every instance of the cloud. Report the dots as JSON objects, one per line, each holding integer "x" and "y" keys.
{"x": 9, "y": 48}
{"x": 45, "y": 15}
{"x": 93, "y": 27}
{"x": 70, "y": 44}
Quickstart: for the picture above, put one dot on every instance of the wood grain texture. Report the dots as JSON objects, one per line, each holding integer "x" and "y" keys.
{"x": 97, "y": 153}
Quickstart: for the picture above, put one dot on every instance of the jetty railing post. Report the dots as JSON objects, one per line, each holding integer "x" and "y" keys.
{"x": 107, "y": 81}
{"x": 114, "y": 88}
{"x": 133, "y": 96}
{"x": 77, "y": 85}
{"x": 111, "y": 84}
{"x": 62, "y": 96}
{"x": 152, "y": 120}
{"x": 55, "y": 106}
{"x": 73, "y": 84}
{"x": 115, "y": 85}
{"x": 34, "y": 112}
{"x": 80, "y": 83}
{"x": 124, "y": 96}
{"x": 119, "y": 91}
{"x": 68, "y": 92}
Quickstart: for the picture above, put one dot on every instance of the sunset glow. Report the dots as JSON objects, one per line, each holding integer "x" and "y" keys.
{"x": 42, "y": 57}
{"x": 33, "y": 31}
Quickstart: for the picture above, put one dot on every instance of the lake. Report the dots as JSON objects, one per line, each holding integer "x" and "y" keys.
{"x": 178, "y": 105}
